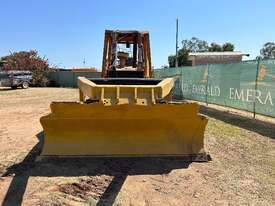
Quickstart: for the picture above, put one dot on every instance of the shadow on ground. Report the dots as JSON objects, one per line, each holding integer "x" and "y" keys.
{"x": 10, "y": 89}
{"x": 117, "y": 168}
{"x": 5, "y": 88}
{"x": 261, "y": 127}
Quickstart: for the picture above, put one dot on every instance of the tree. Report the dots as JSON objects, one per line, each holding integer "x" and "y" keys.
{"x": 172, "y": 60}
{"x": 215, "y": 47}
{"x": 188, "y": 45}
{"x": 195, "y": 45}
{"x": 268, "y": 50}
{"x": 228, "y": 46}
{"x": 1, "y": 63}
{"x": 182, "y": 58}
{"x": 31, "y": 61}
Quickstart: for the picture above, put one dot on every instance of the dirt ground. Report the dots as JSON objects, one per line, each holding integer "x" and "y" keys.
{"x": 242, "y": 170}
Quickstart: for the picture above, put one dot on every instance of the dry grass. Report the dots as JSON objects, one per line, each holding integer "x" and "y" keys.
{"x": 242, "y": 171}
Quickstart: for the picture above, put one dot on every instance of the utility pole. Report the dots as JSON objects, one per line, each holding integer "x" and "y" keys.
{"x": 177, "y": 31}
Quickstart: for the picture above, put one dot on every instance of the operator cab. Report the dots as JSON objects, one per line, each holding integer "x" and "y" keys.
{"x": 126, "y": 54}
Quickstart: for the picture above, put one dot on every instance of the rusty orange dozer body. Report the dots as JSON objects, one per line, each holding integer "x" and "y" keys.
{"x": 126, "y": 112}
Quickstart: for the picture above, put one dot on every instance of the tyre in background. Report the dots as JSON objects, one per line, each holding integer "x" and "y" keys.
{"x": 25, "y": 85}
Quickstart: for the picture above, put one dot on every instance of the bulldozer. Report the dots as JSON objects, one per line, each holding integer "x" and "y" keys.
{"x": 126, "y": 112}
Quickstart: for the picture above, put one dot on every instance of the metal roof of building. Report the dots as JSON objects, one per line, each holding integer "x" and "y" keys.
{"x": 227, "y": 53}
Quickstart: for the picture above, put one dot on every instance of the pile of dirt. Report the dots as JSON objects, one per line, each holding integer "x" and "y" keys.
{"x": 93, "y": 187}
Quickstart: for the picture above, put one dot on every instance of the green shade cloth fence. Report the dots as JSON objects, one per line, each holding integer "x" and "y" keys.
{"x": 248, "y": 85}
{"x": 69, "y": 78}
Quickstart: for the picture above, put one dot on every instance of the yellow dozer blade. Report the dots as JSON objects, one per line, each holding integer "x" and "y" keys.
{"x": 124, "y": 120}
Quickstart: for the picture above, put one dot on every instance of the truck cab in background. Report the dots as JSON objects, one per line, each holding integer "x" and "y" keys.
{"x": 16, "y": 79}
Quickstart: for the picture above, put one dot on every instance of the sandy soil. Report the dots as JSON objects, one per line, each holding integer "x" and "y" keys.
{"x": 242, "y": 170}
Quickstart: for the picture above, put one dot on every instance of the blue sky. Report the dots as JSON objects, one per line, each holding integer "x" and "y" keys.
{"x": 67, "y": 31}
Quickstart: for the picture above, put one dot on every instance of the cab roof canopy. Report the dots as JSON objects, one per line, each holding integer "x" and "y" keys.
{"x": 126, "y": 36}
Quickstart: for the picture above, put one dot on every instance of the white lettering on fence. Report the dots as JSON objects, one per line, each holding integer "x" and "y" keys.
{"x": 245, "y": 95}
{"x": 250, "y": 95}
{"x": 209, "y": 90}
{"x": 268, "y": 98}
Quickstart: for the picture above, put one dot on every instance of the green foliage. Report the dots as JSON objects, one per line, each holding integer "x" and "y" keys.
{"x": 215, "y": 47}
{"x": 192, "y": 45}
{"x": 182, "y": 58}
{"x": 195, "y": 45}
{"x": 172, "y": 60}
{"x": 228, "y": 46}
{"x": 268, "y": 50}
{"x": 31, "y": 61}
{"x": 1, "y": 63}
